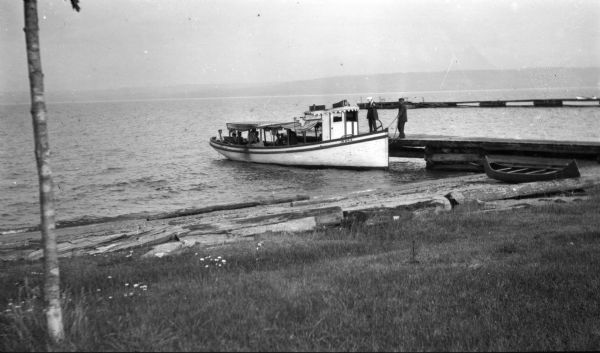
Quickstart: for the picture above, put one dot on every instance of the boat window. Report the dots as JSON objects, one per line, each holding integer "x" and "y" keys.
{"x": 351, "y": 116}
{"x": 337, "y": 118}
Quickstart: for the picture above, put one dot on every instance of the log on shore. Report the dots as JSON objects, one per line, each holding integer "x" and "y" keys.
{"x": 74, "y": 247}
{"x": 283, "y": 221}
{"x": 500, "y": 191}
{"x": 294, "y": 225}
{"x": 406, "y": 202}
{"x": 511, "y": 204}
{"x": 231, "y": 206}
{"x": 317, "y": 201}
{"x": 154, "y": 236}
{"x": 113, "y": 242}
{"x": 249, "y": 227}
{"x": 177, "y": 247}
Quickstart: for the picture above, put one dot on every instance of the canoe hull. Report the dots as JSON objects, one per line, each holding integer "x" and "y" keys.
{"x": 524, "y": 173}
{"x": 361, "y": 151}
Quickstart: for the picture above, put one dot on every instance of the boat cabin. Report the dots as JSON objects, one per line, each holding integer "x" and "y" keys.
{"x": 317, "y": 124}
{"x": 337, "y": 122}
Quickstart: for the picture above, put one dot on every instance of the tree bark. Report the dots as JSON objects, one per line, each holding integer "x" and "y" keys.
{"x": 42, "y": 154}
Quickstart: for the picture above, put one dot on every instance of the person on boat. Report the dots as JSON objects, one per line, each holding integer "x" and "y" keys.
{"x": 253, "y": 136}
{"x": 280, "y": 140}
{"x": 240, "y": 138}
{"x": 292, "y": 137}
{"x": 372, "y": 115}
{"x": 402, "y": 118}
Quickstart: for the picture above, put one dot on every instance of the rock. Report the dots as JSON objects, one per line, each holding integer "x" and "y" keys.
{"x": 165, "y": 249}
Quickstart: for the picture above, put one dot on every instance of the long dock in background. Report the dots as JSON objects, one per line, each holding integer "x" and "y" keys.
{"x": 524, "y": 103}
{"x": 465, "y": 153}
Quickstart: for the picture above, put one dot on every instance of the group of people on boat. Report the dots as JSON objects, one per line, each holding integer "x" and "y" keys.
{"x": 281, "y": 139}
{"x": 290, "y": 138}
{"x": 238, "y": 139}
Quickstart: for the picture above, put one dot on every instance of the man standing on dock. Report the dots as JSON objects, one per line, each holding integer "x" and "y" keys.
{"x": 372, "y": 115}
{"x": 402, "y": 117}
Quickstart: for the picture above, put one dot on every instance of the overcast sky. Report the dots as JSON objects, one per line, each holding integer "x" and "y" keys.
{"x": 132, "y": 43}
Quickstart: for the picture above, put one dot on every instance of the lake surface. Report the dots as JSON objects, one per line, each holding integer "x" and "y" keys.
{"x": 135, "y": 158}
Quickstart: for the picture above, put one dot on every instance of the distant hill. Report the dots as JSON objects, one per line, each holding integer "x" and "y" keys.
{"x": 394, "y": 82}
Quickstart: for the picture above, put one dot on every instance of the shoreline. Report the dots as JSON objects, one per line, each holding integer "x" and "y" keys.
{"x": 93, "y": 220}
{"x": 236, "y": 223}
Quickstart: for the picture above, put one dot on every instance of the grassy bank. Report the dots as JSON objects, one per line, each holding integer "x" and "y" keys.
{"x": 512, "y": 280}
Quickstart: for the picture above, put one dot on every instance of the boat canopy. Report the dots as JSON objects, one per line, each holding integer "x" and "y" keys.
{"x": 301, "y": 124}
{"x": 245, "y": 126}
{"x": 304, "y": 124}
{"x": 308, "y": 122}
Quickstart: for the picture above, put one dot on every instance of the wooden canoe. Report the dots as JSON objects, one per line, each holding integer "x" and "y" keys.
{"x": 521, "y": 171}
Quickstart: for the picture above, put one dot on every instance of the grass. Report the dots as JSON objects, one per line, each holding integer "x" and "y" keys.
{"x": 513, "y": 280}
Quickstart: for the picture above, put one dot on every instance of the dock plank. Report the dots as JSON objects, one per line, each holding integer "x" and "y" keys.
{"x": 452, "y": 148}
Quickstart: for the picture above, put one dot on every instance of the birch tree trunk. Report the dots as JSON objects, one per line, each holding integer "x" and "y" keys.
{"x": 42, "y": 155}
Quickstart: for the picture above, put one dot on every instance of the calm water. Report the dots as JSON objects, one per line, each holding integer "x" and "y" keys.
{"x": 124, "y": 159}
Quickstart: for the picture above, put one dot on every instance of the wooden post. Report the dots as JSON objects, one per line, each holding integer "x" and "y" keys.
{"x": 42, "y": 153}
{"x": 344, "y": 122}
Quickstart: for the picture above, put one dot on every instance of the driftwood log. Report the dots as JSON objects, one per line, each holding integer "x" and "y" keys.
{"x": 500, "y": 191}
{"x": 510, "y": 204}
{"x": 230, "y": 206}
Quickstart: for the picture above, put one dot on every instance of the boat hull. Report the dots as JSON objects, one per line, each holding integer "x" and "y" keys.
{"x": 360, "y": 151}
{"x": 527, "y": 172}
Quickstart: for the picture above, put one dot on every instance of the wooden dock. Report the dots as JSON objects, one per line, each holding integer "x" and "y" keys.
{"x": 522, "y": 103}
{"x": 463, "y": 153}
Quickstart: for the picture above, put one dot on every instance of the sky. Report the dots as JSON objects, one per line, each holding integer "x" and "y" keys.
{"x": 140, "y": 43}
